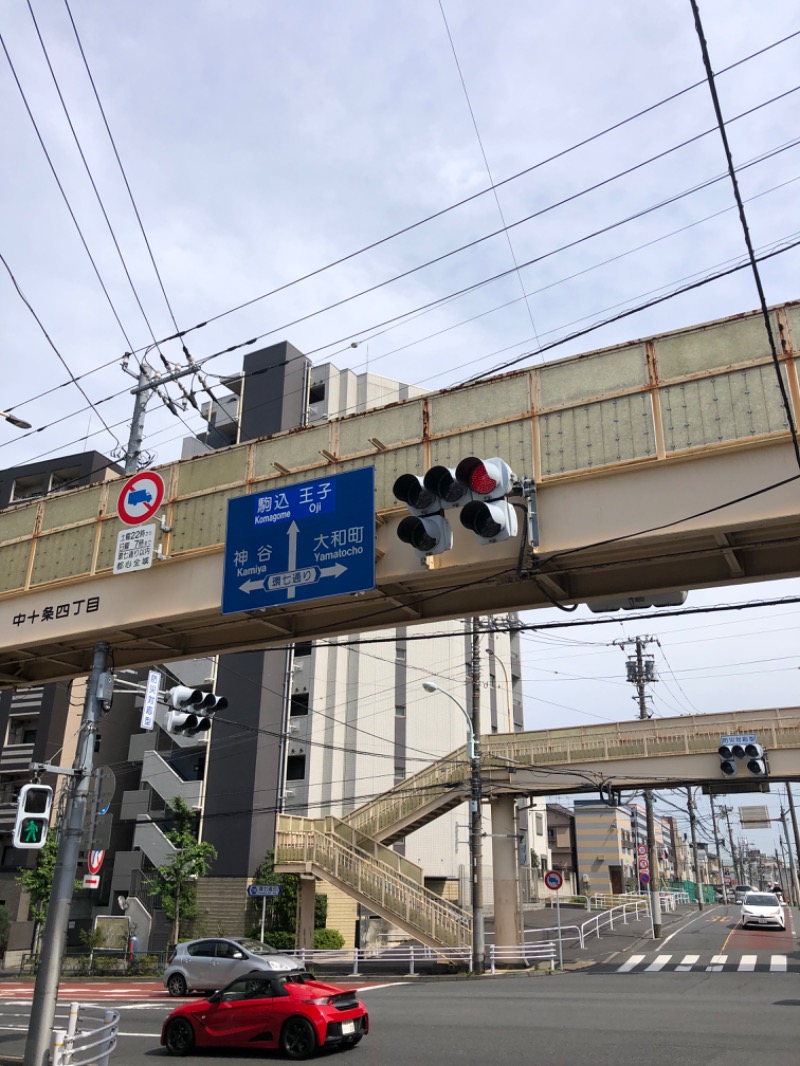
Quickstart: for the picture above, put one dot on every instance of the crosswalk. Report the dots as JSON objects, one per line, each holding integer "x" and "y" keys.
{"x": 763, "y": 963}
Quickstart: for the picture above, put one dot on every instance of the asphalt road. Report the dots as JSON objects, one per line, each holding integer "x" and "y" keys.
{"x": 670, "y": 1004}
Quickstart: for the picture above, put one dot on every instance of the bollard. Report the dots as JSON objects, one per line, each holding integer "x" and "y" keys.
{"x": 59, "y": 1038}
{"x": 411, "y": 969}
{"x": 108, "y": 1017}
{"x": 72, "y": 1023}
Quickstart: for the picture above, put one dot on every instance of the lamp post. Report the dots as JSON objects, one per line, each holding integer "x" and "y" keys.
{"x": 20, "y": 423}
{"x": 497, "y": 659}
{"x": 475, "y": 834}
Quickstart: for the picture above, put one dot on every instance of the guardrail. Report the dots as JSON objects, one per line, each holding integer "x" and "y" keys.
{"x": 416, "y": 956}
{"x": 89, "y": 1038}
{"x": 622, "y": 913}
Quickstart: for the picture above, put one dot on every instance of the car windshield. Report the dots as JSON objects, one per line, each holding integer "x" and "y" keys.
{"x": 743, "y": 888}
{"x": 761, "y": 899}
{"x": 255, "y": 947}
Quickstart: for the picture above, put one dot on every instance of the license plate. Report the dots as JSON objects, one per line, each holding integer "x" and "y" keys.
{"x": 348, "y": 1027}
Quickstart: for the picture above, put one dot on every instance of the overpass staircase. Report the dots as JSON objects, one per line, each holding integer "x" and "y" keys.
{"x": 353, "y": 852}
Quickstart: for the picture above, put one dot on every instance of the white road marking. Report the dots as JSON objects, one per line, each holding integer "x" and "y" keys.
{"x": 634, "y": 960}
{"x": 747, "y": 963}
{"x": 687, "y": 963}
{"x": 778, "y": 964}
{"x": 659, "y": 964}
{"x": 717, "y": 962}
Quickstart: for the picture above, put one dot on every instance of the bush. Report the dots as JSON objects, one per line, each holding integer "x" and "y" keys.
{"x": 280, "y": 940}
{"x": 328, "y": 939}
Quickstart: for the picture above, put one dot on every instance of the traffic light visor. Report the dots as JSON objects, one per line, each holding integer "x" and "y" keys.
{"x": 443, "y": 482}
{"x": 409, "y": 489}
{"x": 477, "y": 476}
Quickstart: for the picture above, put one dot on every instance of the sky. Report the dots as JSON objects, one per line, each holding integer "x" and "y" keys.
{"x": 263, "y": 141}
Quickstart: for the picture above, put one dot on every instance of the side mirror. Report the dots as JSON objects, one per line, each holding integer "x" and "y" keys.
{"x": 215, "y": 997}
{"x": 239, "y": 955}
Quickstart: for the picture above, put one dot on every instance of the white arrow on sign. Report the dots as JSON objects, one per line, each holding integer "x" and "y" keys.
{"x": 292, "y": 533}
{"x": 290, "y": 579}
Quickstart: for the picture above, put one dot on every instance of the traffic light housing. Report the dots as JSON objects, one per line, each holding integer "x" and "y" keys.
{"x": 756, "y": 760}
{"x": 478, "y": 486}
{"x": 33, "y": 816}
{"x": 192, "y": 710}
{"x": 750, "y": 753}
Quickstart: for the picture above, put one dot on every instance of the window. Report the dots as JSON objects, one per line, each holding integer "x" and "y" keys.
{"x": 302, "y": 648}
{"x": 22, "y": 729}
{"x": 400, "y": 653}
{"x": 203, "y": 949}
{"x": 298, "y": 704}
{"x": 316, "y": 393}
{"x": 295, "y": 768}
{"x": 399, "y": 710}
{"x": 539, "y": 824}
{"x": 399, "y": 772}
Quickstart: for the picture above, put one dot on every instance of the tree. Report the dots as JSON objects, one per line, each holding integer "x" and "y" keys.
{"x": 5, "y": 927}
{"x": 38, "y": 883}
{"x": 176, "y": 881}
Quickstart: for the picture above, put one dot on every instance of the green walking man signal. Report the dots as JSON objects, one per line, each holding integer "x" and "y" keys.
{"x": 33, "y": 816}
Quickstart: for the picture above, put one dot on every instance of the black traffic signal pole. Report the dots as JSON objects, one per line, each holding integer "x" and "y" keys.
{"x": 45, "y": 993}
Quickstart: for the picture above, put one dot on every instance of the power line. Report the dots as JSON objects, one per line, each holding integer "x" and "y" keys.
{"x": 468, "y": 199}
{"x": 745, "y": 228}
{"x": 63, "y": 193}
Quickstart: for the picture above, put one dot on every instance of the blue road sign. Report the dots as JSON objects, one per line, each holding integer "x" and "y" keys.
{"x": 264, "y": 890}
{"x": 308, "y": 541}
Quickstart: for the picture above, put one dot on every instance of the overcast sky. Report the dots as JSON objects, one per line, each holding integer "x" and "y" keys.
{"x": 263, "y": 141}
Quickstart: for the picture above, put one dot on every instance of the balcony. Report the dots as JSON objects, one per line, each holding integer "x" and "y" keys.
{"x": 16, "y": 758}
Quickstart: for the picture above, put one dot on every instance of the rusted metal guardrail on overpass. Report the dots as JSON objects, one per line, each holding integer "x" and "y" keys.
{"x": 637, "y": 452}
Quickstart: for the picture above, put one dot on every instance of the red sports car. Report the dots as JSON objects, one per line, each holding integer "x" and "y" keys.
{"x": 290, "y": 1011}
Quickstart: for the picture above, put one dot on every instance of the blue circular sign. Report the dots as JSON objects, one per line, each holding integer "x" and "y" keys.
{"x": 644, "y": 878}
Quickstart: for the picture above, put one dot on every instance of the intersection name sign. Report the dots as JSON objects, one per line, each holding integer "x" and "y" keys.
{"x": 308, "y": 541}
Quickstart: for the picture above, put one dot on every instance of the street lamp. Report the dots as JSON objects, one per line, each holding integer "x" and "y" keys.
{"x": 475, "y": 834}
{"x": 497, "y": 659}
{"x": 18, "y": 422}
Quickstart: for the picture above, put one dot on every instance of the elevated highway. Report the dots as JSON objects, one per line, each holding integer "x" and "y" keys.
{"x": 354, "y": 852}
{"x": 661, "y": 464}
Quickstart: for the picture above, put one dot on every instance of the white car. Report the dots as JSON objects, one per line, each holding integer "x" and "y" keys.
{"x": 764, "y": 909}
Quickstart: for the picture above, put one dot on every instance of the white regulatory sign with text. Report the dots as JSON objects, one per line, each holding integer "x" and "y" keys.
{"x": 150, "y": 699}
{"x": 135, "y": 546}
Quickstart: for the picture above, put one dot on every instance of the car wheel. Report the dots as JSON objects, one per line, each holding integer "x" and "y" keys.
{"x": 176, "y": 985}
{"x": 298, "y": 1039}
{"x": 179, "y": 1037}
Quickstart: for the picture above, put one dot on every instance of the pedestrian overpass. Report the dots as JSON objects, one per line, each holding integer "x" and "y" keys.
{"x": 354, "y": 852}
{"x": 662, "y": 464}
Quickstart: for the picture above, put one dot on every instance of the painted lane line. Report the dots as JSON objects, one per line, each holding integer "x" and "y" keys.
{"x": 717, "y": 962}
{"x": 659, "y": 964}
{"x": 686, "y": 925}
{"x": 747, "y": 963}
{"x": 687, "y": 963}
{"x": 633, "y": 961}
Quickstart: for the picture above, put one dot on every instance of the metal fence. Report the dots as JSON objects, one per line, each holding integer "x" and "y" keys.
{"x": 89, "y": 1037}
{"x": 411, "y": 958}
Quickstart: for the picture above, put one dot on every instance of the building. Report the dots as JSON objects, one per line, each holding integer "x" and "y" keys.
{"x": 605, "y": 848}
{"x": 561, "y": 840}
{"x": 313, "y": 728}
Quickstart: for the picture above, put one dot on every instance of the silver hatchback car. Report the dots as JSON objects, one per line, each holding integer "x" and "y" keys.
{"x": 208, "y": 964}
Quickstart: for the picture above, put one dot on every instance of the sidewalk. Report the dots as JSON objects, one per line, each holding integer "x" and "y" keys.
{"x": 622, "y": 938}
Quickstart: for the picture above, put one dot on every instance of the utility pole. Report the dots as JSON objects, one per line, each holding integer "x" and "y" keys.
{"x": 719, "y": 852}
{"x": 795, "y": 889}
{"x": 475, "y": 816}
{"x": 45, "y": 993}
{"x": 698, "y": 887}
{"x": 737, "y": 873}
{"x": 793, "y": 813}
{"x": 641, "y": 676}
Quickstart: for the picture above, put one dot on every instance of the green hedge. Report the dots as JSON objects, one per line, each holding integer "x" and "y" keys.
{"x": 324, "y": 939}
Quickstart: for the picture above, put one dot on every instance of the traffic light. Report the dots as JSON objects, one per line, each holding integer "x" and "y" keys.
{"x": 192, "y": 710}
{"x": 756, "y": 760}
{"x": 750, "y": 752}
{"x": 727, "y": 760}
{"x": 33, "y": 816}
{"x": 478, "y": 486}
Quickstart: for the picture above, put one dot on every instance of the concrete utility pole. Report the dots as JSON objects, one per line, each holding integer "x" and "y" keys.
{"x": 475, "y": 817}
{"x": 698, "y": 886}
{"x": 638, "y": 675}
{"x": 737, "y": 873}
{"x": 717, "y": 843}
{"x": 793, "y": 813}
{"x": 45, "y": 993}
{"x": 795, "y": 889}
